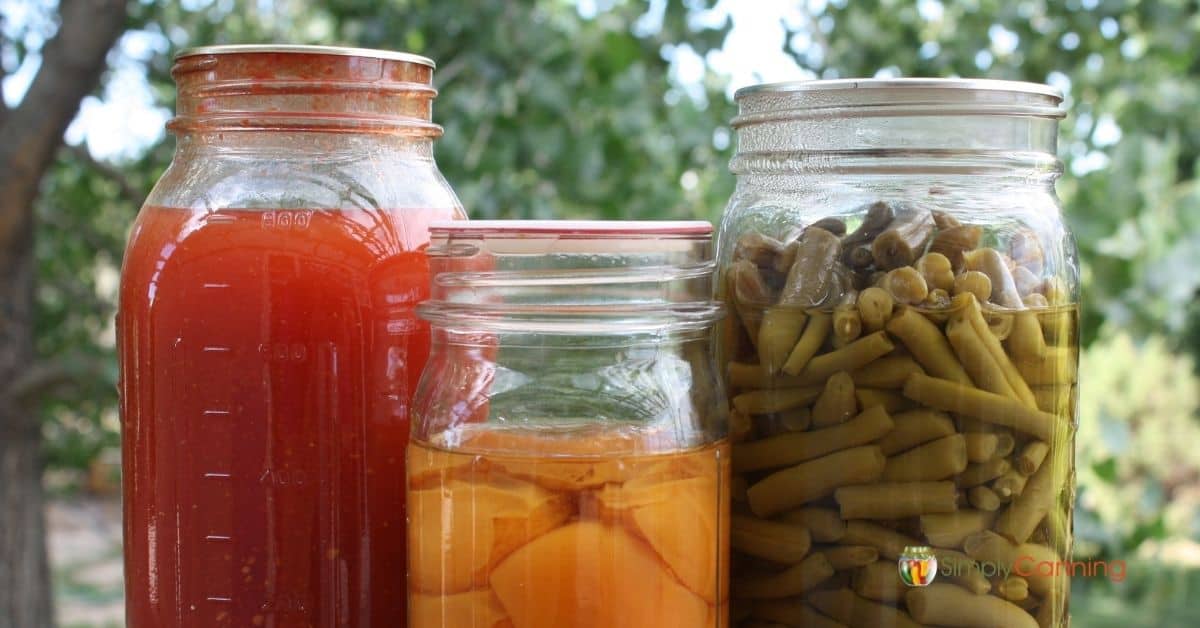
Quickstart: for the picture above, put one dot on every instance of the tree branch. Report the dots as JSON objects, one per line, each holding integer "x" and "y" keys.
{"x": 38, "y": 378}
{"x": 818, "y": 36}
{"x": 445, "y": 75}
{"x": 71, "y": 66}
{"x": 3, "y": 44}
{"x": 132, "y": 193}
{"x": 46, "y": 376}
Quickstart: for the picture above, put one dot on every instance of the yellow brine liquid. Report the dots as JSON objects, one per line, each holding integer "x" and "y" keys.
{"x": 575, "y": 529}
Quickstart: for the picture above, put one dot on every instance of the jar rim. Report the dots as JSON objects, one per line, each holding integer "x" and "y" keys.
{"x": 625, "y": 320}
{"x": 974, "y": 84}
{"x": 571, "y": 276}
{"x": 589, "y": 228}
{"x": 342, "y": 51}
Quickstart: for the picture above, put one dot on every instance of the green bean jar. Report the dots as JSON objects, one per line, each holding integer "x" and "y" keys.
{"x": 901, "y": 355}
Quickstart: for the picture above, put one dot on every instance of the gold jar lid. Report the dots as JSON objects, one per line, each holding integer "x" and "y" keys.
{"x": 342, "y": 51}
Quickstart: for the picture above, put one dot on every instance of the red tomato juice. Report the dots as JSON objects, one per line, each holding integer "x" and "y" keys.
{"x": 267, "y": 363}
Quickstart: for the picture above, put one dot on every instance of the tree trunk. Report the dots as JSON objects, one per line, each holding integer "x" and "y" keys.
{"x": 25, "y": 599}
{"x": 30, "y": 134}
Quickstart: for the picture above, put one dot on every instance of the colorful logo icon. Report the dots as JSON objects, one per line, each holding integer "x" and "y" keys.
{"x": 918, "y": 566}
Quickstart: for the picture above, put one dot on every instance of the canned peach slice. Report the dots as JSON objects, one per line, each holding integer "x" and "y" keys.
{"x": 438, "y": 467}
{"x": 617, "y": 501}
{"x": 472, "y": 609}
{"x": 453, "y": 551}
{"x": 593, "y": 575}
{"x": 534, "y": 455}
{"x": 678, "y": 523}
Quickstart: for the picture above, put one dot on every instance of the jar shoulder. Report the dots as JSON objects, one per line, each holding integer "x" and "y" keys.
{"x": 777, "y": 206}
{"x": 341, "y": 178}
{"x": 1017, "y": 217}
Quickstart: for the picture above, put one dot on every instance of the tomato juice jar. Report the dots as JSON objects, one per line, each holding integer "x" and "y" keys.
{"x": 569, "y": 462}
{"x": 268, "y": 340}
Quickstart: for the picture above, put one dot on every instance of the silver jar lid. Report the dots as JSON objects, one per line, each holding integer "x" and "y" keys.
{"x": 904, "y": 83}
{"x": 343, "y": 51}
{"x": 895, "y": 97}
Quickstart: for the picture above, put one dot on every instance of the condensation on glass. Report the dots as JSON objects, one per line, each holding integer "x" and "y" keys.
{"x": 268, "y": 339}
{"x": 901, "y": 354}
{"x": 569, "y": 461}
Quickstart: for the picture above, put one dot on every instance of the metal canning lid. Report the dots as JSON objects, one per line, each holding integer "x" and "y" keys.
{"x": 1022, "y": 87}
{"x": 344, "y": 51}
{"x": 902, "y": 96}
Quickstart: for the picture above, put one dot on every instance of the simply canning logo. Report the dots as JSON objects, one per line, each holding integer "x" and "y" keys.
{"x": 918, "y": 566}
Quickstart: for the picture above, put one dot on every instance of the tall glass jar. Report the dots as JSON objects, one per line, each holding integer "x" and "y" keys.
{"x": 901, "y": 355}
{"x": 269, "y": 343}
{"x": 569, "y": 461}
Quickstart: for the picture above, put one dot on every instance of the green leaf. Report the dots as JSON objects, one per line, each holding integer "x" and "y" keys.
{"x": 1106, "y": 470}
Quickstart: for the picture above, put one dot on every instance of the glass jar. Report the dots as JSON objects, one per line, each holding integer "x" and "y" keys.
{"x": 269, "y": 343}
{"x": 569, "y": 462}
{"x": 901, "y": 354}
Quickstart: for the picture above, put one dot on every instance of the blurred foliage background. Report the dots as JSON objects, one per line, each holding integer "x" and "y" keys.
{"x": 619, "y": 108}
